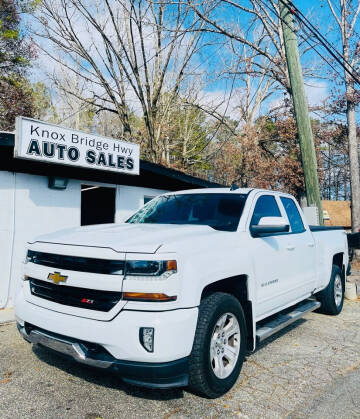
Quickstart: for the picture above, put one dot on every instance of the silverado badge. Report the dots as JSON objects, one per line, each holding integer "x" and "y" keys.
{"x": 56, "y": 277}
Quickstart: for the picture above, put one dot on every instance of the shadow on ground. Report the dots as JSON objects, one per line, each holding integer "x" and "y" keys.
{"x": 111, "y": 380}
{"x": 277, "y": 335}
{"x": 102, "y": 377}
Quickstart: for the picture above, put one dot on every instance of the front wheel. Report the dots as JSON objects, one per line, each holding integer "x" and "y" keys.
{"x": 219, "y": 346}
{"x": 332, "y": 297}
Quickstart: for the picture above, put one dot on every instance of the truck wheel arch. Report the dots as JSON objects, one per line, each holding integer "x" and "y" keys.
{"x": 338, "y": 260}
{"x": 238, "y": 287}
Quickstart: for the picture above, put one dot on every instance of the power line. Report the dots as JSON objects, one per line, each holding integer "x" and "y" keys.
{"x": 324, "y": 42}
{"x": 303, "y": 19}
{"x": 338, "y": 57}
{"x": 303, "y": 38}
{"x": 314, "y": 32}
{"x": 327, "y": 41}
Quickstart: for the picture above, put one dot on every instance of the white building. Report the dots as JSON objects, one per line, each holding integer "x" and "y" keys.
{"x": 40, "y": 197}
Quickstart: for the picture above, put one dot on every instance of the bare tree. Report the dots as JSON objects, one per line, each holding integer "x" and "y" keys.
{"x": 266, "y": 42}
{"x": 131, "y": 53}
{"x": 346, "y": 13}
{"x": 335, "y": 160}
{"x": 71, "y": 110}
{"x": 257, "y": 87}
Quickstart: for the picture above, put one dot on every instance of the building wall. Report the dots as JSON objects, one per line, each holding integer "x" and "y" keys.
{"x": 38, "y": 210}
{"x": 337, "y": 213}
{"x": 7, "y": 195}
{"x": 29, "y": 208}
{"x": 131, "y": 198}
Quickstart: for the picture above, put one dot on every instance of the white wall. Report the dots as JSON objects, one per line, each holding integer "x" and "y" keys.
{"x": 7, "y": 195}
{"x": 131, "y": 198}
{"x": 40, "y": 210}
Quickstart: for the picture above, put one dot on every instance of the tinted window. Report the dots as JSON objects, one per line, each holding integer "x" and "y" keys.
{"x": 266, "y": 206}
{"x": 220, "y": 211}
{"x": 293, "y": 214}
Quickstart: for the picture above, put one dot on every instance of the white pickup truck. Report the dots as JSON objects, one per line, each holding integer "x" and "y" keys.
{"x": 178, "y": 294}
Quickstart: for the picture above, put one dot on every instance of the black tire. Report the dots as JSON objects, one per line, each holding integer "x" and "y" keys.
{"x": 202, "y": 379}
{"x": 327, "y": 295}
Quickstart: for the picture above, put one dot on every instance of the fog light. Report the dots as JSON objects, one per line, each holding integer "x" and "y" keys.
{"x": 146, "y": 336}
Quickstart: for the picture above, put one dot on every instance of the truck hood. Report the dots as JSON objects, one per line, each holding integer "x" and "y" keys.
{"x": 131, "y": 238}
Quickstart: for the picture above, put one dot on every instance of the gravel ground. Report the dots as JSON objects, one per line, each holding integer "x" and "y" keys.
{"x": 310, "y": 370}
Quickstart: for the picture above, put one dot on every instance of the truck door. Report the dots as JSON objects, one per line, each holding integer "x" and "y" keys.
{"x": 269, "y": 260}
{"x": 300, "y": 253}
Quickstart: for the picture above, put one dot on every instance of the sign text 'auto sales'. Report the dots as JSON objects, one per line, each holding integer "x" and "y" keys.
{"x": 37, "y": 140}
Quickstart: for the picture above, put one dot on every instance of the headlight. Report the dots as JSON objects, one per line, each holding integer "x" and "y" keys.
{"x": 136, "y": 269}
{"x": 160, "y": 269}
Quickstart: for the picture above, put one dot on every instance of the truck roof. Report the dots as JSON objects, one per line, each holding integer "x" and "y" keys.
{"x": 210, "y": 190}
{"x": 220, "y": 190}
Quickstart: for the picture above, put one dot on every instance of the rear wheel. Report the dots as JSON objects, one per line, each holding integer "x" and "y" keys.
{"x": 332, "y": 297}
{"x": 219, "y": 346}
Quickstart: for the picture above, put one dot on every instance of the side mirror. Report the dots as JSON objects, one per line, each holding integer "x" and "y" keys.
{"x": 269, "y": 225}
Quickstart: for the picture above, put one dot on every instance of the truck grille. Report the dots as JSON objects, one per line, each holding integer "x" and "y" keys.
{"x": 76, "y": 263}
{"x": 74, "y": 296}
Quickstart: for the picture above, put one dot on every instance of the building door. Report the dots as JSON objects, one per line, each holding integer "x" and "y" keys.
{"x": 97, "y": 204}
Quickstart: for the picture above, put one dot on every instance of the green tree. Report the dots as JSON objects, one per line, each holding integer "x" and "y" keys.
{"x": 16, "y": 52}
{"x": 42, "y": 103}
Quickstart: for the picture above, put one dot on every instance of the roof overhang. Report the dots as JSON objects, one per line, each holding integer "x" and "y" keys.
{"x": 151, "y": 175}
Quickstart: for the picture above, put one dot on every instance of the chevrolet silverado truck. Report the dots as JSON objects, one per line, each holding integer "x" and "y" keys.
{"x": 181, "y": 291}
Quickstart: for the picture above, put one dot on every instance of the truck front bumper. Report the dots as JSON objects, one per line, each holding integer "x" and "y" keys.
{"x": 115, "y": 344}
{"x": 146, "y": 374}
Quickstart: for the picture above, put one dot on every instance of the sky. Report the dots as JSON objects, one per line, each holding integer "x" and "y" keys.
{"x": 317, "y": 89}
{"x": 216, "y": 89}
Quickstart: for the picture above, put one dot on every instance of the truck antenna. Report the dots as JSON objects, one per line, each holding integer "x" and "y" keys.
{"x": 234, "y": 186}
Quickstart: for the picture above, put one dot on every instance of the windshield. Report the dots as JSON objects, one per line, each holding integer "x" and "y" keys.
{"x": 217, "y": 210}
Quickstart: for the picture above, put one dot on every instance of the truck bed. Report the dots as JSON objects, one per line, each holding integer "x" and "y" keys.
{"x": 324, "y": 228}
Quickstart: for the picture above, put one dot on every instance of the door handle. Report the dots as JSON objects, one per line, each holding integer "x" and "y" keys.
{"x": 311, "y": 244}
{"x": 290, "y": 247}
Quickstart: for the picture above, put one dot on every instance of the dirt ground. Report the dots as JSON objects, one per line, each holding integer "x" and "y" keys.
{"x": 309, "y": 370}
{"x": 355, "y": 266}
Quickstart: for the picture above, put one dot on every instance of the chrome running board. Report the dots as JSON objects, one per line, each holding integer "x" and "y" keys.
{"x": 284, "y": 318}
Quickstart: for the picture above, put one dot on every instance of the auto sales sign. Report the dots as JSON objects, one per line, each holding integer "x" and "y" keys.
{"x": 37, "y": 140}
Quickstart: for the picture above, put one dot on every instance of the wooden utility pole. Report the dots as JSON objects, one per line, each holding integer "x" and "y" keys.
{"x": 301, "y": 108}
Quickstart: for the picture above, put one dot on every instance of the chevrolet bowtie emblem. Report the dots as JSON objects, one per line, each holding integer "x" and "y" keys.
{"x": 56, "y": 277}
